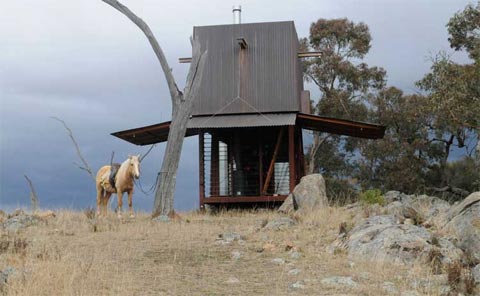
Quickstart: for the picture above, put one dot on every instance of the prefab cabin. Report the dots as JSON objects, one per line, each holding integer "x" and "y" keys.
{"x": 249, "y": 115}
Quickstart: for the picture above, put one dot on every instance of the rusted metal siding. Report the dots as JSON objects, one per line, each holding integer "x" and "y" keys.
{"x": 264, "y": 77}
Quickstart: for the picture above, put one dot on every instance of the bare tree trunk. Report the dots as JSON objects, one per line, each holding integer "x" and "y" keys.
{"x": 316, "y": 144}
{"x": 33, "y": 194}
{"x": 181, "y": 110}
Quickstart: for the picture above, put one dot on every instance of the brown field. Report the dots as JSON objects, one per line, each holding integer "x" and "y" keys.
{"x": 72, "y": 254}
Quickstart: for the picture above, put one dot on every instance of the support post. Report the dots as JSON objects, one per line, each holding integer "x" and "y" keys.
{"x": 291, "y": 156}
{"x": 260, "y": 162}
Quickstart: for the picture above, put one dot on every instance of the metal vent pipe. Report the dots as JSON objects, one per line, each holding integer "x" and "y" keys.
{"x": 237, "y": 14}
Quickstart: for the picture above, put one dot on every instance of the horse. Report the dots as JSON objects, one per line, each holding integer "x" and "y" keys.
{"x": 123, "y": 182}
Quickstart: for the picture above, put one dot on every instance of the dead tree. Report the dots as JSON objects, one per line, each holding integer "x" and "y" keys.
{"x": 33, "y": 194}
{"x": 84, "y": 165}
{"x": 182, "y": 103}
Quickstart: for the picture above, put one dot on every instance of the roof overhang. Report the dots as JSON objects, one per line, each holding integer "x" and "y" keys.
{"x": 159, "y": 132}
{"x": 340, "y": 126}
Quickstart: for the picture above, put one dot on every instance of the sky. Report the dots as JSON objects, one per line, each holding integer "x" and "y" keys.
{"x": 83, "y": 62}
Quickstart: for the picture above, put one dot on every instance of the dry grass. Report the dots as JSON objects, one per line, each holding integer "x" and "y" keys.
{"x": 74, "y": 254}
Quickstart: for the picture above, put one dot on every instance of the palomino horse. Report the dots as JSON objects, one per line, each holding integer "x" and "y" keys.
{"x": 128, "y": 170}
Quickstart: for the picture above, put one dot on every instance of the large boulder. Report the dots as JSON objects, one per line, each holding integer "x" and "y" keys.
{"x": 380, "y": 238}
{"x": 463, "y": 221}
{"x": 309, "y": 194}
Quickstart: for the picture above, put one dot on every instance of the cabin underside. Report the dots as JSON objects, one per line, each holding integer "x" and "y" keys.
{"x": 249, "y": 165}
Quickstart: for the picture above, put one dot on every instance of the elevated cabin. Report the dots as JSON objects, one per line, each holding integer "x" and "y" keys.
{"x": 249, "y": 115}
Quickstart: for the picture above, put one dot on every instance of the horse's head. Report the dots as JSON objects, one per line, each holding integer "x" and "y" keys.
{"x": 134, "y": 166}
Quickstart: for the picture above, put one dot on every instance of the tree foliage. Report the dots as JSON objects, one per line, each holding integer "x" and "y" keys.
{"x": 422, "y": 129}
{"x": 344, "y": 81}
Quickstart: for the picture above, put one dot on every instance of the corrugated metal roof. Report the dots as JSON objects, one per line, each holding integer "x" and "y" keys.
{"x": 264, "y": 77}
{"x": 243, "y": 120}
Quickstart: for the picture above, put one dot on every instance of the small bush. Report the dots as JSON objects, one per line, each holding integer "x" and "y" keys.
{"x": 372, "y": 196}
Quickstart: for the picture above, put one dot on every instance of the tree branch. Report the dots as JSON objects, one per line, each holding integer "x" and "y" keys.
{"x": 33, "y": 194}
{"x": 175, "y": 93}
{"x": 86, "y": 167}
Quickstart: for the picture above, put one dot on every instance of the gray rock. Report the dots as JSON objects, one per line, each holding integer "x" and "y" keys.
{"x": 294, "y": 271}
{"x": 390, "y": 288}
{"x": 463, "y": 220}
{"x": 392, "y": 196}
{"x": 20, "y": 222}
{"x": 297, "y": 285}
{"x": 410, "y": 293}
{"x": 295, "y": 255}
{"x": 278, "y": 261}
{"x": 403, "y": 212}
{"x": 379, "y": 238}
{"x": 236, "y": 255}
{"x": 230, "y": 236}
{"x": 280, "y": 224}
{"x": 476, "y": 274}
{"x": 162, "y": 218}
{"x": 450, "y": 253}
{"x": 309, "y": 194}
{"x": 232, "y": 280}
{"x": 339, "y": 281}
{"x": 5, "y": 274}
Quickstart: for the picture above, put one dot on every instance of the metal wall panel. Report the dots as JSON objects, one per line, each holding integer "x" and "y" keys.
{"x": 264, "y": 77}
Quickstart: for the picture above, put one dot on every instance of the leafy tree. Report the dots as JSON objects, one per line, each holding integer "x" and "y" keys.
{"x": 454, "y": 89}
{"x": 344, "y": 82}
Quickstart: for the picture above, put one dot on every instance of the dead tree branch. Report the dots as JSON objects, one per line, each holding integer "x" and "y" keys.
{"x": 85, "y": 166}
{"x": 33, "y": 194}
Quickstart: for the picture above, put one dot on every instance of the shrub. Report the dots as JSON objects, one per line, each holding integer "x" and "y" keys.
{"x": 372, "y": 196}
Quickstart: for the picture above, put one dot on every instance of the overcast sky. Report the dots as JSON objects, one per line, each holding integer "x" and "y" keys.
{"x": 84, "y": 62}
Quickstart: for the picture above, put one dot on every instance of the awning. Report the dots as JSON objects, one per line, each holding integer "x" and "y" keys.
{"x": 159, "y": 132}
{"x": 340, "y": 126}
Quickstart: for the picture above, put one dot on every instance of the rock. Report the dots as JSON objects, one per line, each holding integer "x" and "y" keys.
{"x": 295, "y": 255}
{"x": 232, "y": 280}
{"x": 379, "y": 238}
{"x": 297, "y": 285}
{"x": 19, "y": 222}
{"x": 236, "y": 255}
{"x": 463, "y": 220}
{"x": 339, "y": 281}
{"x": 280, "y": 224}
{"x": 294, "y": 271}
{"x": 450, "y": 253}
{"x": 392, "y": 196}
{"x": 5, "y": 274}
{"x": 404, "y": 213}
{"x": 162, "y": 218}
{"x": 390, "y": 288}
{"x": 476, "y": 274}
{"x": 309, "y": 194}
{"x": 230, "y": 236}
{"x": 410, "y": 293}
{"x": 278, "y": 261}
{"x": 15, "y": 213}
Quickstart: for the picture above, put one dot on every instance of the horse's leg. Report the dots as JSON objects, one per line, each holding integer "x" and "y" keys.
{"x": 105, "y": 202}
{"x": 130, "y": 204}
{"x": 120, "y": 204}
{"x": 100, "y": 194}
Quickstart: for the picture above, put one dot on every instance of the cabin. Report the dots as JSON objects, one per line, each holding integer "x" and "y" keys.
{"x": 249, "y": 115}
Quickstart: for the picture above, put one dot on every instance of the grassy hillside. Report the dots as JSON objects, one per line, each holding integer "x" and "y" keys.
{"x": 72, "y": 254}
